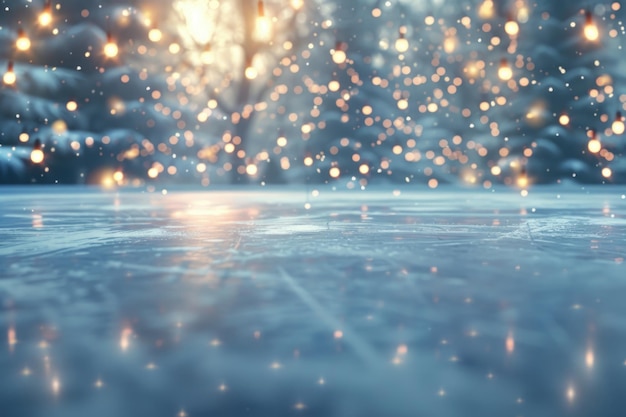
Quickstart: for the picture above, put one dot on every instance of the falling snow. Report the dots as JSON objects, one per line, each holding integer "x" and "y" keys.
{"x": 186, "y": 91}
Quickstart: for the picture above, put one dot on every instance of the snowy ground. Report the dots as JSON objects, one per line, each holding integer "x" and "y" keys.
{"x": 248, "y": 303}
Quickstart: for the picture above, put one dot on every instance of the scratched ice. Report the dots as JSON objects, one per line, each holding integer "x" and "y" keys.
{"x": 447, "y": 303}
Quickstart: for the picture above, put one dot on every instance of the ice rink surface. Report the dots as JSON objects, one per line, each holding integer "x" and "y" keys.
{"x": 266, "y": 302}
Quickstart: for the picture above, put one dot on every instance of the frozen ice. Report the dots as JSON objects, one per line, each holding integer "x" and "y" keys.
{"x": 266, "y": 302}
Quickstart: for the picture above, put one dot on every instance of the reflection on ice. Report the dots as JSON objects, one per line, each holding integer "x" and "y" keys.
{"x": 359, "y": 304}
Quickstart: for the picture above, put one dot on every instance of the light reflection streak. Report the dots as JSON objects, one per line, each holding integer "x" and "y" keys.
{"x": 510, "y": 343}
{"x": 127, "y": 332}
{"x": 11, "y": 338}
{"x": 37, "y": 221}
{"x": 56, "y": 386}
{"x": 570, "y": 393}
{"x": 589, "y": 358}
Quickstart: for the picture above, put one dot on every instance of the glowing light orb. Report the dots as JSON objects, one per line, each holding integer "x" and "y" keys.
{"x": 618, "y": 127}
{"x": 297, "y": 4}
{"x": 45, "y": 18}
{"x": 111, "y": 49}
{"x": 155, "y": 35}
{"x": 339, "y": 53}
{"x": 59, "y": 127}
{"x": 36, "y": 156}
{"x": 606, "y": 172}
{"x": 9, "y": 77}
{"x": 23, "y": 42}
{"x": 523, "y": 14}
{"x": 505, "y": 73}
{"x": 511, "y": 28}
{"x": 590, "y": 30}
{"x": 402, "y": 44}
{"x": 339, "y": 56}
{"x": 486, "y": 9}
{"x": 263, "y": 29}
{"x": 71, "y": 105}
{"x": 251, "y": 73}
{"x": 252, "y": 170}
{"x": 594, "y": 146}
{"x": 522, "y": 181}
{"x": 564, "y": 120}
{"x": 450, "y": 44}
{"x": 334, "y": 86}
{"x": 107, "y": 182}
{"x": 118, "y": 176}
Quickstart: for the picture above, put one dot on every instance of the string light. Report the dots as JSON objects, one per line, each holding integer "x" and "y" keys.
{"x": 402, "y": 43}
{"x": 591, "y": 30}
{"x": 23, "y": 42}
{"x": 263, "y": 27}
{"x": 297, "y": 4}
{"x": 339, "y": 54}
{"x": 155, "y": 35}
{"x": 45, "y": 17}
{"x": 618, "y": 126}
{"x": 9, "y": 77}
{"x": 511, "y": 27}
{"x": 507, "y": 69}
{"x": 36, "y": 155}
{"x": 522, "y": 180}
{"x": 486, "y": 9}
{"x": 251, "y": 72}
{"x": 505, "y": 73}
{"x": 594, "y": 145}
{"x": 110, "y": 47}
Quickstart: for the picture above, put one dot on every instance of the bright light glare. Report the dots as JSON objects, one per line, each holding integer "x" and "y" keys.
{"x": 9, "y": 78}
{"x": 36, "y": 156}
{"x": 591, "y": 32}
{"x": 22, "y": 43}
{"x": 45, "y": 18}
{"x": 110, "y": 49}
{"x": 402, "y": 44}
{"x": 505, "y": 72}
{"x": 263, "y": 28}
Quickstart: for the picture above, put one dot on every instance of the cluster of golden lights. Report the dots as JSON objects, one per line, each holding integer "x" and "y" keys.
{"x": 476, "y": 71}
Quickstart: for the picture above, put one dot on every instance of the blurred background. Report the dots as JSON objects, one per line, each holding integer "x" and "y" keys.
{"x": 203, "y": 92}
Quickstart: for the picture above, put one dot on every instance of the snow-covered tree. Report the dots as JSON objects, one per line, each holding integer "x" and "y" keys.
{"x": 233, "y": 64}
{"x": 68, "y": 96}
{"x": 398, "y": 106}
{"x": 563, "y": 95}
{"x": 233, "y": 91}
